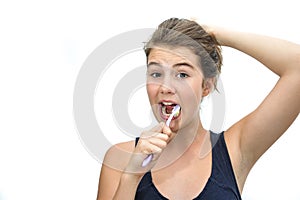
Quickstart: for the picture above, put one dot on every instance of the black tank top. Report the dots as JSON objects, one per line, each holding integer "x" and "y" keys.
{"x": 221, "y": 184}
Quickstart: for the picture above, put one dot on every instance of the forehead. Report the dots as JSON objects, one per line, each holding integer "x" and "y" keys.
{"x": 173, "y": 55}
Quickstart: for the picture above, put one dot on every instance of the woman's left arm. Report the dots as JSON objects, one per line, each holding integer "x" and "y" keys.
{"x": 256, "y": 132}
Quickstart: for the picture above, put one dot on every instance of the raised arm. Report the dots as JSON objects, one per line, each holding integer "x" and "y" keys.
{"x": 256, "y": 132}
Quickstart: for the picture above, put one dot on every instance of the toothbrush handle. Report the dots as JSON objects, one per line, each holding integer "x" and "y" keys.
{"x": 147, "y": 160}
{"x": 169, "y": 120}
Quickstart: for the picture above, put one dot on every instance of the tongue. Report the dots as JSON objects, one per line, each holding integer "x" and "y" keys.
{"x": 169, "y": 109}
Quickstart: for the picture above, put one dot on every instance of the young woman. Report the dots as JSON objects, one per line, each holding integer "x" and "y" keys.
{"x": 189, "y": 162}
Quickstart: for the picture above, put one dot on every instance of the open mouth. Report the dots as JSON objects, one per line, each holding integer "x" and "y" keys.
{"x": 166, "y": 109}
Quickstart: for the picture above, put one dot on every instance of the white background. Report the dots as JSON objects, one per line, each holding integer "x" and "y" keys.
{"x": 42, "y": 47}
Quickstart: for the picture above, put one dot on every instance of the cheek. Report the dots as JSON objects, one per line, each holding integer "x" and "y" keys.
{"x": 152, "y": 91}
{"x": 190, "y": 96}
{"x": 191, "y": 87}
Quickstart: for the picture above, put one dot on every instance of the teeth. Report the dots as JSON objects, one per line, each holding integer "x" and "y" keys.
{"x": 167, "y": 103}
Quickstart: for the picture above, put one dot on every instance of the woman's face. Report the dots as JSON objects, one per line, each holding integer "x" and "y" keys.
{"x": 174, "y": 77}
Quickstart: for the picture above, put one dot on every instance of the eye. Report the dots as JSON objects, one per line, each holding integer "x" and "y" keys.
{"x": 155, "y": 74}
{"x": 182, "y": 75}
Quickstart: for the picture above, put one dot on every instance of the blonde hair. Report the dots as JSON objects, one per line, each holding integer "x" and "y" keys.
{"x": 176, "y": 32}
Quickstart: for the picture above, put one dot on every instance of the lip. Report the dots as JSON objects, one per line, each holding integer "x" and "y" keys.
{"x": 164, "y": 117}
{"x": 168, "y": 101}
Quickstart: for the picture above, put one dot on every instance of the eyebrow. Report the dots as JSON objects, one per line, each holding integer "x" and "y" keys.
{"x": 154, "y": 64}
{"x": 175, "y": 66}
{"x": 184, "y": 64}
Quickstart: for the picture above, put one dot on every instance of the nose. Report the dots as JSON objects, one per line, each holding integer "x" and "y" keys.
{"x": 167, "y": 87}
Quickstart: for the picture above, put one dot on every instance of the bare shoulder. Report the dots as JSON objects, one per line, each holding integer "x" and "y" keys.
{"x": 115, "y": 160}
{"x": 118, "y": 155}
{"x": 127, "y": 146}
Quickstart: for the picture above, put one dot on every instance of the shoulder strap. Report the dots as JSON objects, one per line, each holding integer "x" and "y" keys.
{"x": 222, "y": 171}
{"x": 136, "y": 140}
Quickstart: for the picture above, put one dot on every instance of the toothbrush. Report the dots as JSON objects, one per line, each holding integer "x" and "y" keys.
{"x": 175, "y": 111}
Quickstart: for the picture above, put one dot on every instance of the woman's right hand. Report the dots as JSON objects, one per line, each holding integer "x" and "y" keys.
{"x": 152, "y": 142}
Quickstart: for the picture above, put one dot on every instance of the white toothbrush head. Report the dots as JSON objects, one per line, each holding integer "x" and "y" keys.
{"x": 175, "y": 111}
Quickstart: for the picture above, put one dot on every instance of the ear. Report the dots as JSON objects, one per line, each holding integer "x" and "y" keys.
{"x": 207, "y": 87}
{"x": 205, "y": 91}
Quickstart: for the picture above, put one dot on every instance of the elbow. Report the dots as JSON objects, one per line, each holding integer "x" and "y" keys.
{"x": 293, "y": 68}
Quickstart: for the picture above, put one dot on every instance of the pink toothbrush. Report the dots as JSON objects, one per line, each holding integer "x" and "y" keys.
{"x": 175, "y": 111}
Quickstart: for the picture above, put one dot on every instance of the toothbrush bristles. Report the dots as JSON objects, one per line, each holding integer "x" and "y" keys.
{"x": 175, "y": 112}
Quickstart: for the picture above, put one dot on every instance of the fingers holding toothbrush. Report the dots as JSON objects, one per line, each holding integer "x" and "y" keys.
{"x": 175, "y": 112}
{"x": 155, "y": 140}
{"x": 151, "y": 142}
